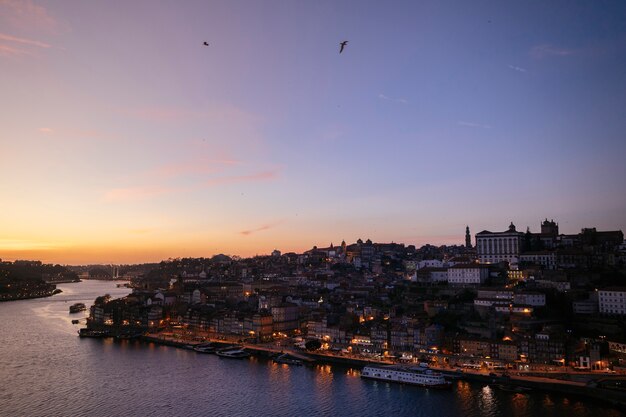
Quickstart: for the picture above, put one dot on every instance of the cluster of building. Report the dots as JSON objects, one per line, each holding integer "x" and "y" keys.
{"x": 31, "y": 279}
{"x": 512, "y": 299}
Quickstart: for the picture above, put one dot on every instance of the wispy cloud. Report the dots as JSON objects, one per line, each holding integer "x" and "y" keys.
{"x": 26, "y": 245}
{"x": 219, "y": 113}
{"x": 516, "y": 68}
{"x": 23, "y": 41}
{"x": 228, "y": 127}
{"x": 540, "y": 51}
{"x": 14, "y": 46}
{"x": 148, "y": 192}
{"x": 259, "y": 176}
{"x": 197, "y": 166}
{"x": 26, "y": 15}
{"x": 474, "y": 125}
{"x": 6, "y": 50}
{"x": 134, "y": 193}
{"x": 261, "y": 228}
{"x": 397, "y": 100}
{"x": 45, "y": 130}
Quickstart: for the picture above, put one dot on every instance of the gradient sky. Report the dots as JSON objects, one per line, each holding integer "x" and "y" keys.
{"x": 124, "y": 139}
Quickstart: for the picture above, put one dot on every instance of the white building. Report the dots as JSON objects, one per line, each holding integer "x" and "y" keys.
{"x": 546, "y": 259}
{"x": 494, "y": 247}
{"x": 535, "y": 299}
{"x": 468, "y": 274}
{"x": 612, "y": 300}
{"x": 430, "y": 263}
{"x": 490, "y": 302}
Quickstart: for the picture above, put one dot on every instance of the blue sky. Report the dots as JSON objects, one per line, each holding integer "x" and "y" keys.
{"x": 125, "y": 139}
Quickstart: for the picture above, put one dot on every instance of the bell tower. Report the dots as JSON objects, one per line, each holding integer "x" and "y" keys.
{"x": 468, "y": 238}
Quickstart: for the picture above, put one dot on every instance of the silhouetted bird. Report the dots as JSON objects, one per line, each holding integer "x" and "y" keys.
{"x": 343, "y": 45}
{"x": 206, "y": 44}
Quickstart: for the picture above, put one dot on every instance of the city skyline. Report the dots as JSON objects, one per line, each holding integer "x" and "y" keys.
{"x": 127, "y": 140}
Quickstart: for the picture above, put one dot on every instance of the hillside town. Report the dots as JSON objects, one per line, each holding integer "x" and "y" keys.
{"x": 504, "y": 300}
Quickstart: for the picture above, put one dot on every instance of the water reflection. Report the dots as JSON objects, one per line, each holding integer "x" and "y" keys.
{"x": 486, "y": 402}
{"x": 52, "y": 372}
{"x": 519, "y": 404}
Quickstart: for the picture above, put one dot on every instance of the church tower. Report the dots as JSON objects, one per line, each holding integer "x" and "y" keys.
{"x": 468, "y": 238}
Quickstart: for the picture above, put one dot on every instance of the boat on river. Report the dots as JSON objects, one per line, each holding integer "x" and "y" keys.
{"x": 77, "y": 308}
{"x": 93, "y": 333}
{"x": 421, "y": 376}
{"x": 204, "y": 348}
{"x": 236, "y": 353}
{"x": 286, "y": 359}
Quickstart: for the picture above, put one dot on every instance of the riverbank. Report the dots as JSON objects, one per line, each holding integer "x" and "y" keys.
{"x": 63, "y": 281}
{"x": 17, "y": 297}
{"x": 544, "y": 384}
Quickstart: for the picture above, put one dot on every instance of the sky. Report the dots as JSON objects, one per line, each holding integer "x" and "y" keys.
{"x": 123, "y": 139}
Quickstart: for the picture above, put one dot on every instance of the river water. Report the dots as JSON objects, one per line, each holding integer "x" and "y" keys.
{"x": 47, "y": 370}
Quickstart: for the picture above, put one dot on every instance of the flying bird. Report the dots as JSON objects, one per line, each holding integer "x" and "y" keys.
{"x": 206, "y": 44}
{"x": 343, "y": 45}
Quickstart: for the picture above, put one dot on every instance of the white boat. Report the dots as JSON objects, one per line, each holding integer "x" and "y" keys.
{"x": 204, "y": 348}
{"x": 421, "y": 376}
{"x": 233, "y": 353}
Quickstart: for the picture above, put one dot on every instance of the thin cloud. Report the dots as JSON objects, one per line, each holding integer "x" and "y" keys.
{"x": 515, "y": 68}
{"x": 148, "y": 192}
{"x": 26, "y": 15}
{"x": 474, "y": 125}
{"x": 397, "y": 100}
{"x": 23, "y": 41}
{"x": 260, "y": 229}
{"x": 26, "y": 245}
{"x": 134, "y": 193}
{"x": 540, "y": 51}
{"x": 259, "y": 176}
{"x": 7, "y": 50}
{"x": 45, "y": 130}
{"x": 199, "y": 166}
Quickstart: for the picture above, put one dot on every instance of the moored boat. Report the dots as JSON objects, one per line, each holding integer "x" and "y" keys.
{"x": 204, "y": 348}
{"x": 420, "y": 376}
{"x": 286, "y": 359}
{"x": 78, "y": 307}
{"x": 236, "y": 353}
{"x": 93, "y": 333}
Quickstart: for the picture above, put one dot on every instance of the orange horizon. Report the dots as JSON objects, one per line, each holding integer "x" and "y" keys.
{"x": 84, "y": 255}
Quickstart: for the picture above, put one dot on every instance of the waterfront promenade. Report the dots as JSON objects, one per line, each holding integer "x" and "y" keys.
{"x": 578, "y": 384}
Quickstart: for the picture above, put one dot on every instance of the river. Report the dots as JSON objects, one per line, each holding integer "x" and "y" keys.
{"x": 47, "y": 370}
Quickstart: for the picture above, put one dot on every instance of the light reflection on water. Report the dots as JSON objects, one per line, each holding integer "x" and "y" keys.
{"x": 48, "y": 370}
{"x": 486, "y": 401}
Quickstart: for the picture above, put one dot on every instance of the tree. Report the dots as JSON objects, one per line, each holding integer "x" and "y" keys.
{"x": 313, "y": 344}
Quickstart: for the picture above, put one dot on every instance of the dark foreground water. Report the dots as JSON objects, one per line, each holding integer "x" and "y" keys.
{"x": 47, "y": 370}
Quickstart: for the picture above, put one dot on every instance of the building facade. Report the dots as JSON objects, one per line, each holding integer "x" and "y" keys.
{"x": 612, "y": 301}
{"x": 494, "y": 247}
{"x": 468, "y": 274}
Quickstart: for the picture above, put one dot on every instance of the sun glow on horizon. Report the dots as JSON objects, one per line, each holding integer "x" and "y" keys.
{"x": 141, "y": 144}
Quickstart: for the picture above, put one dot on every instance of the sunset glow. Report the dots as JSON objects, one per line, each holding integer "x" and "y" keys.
{"x": 125, "y": 140}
